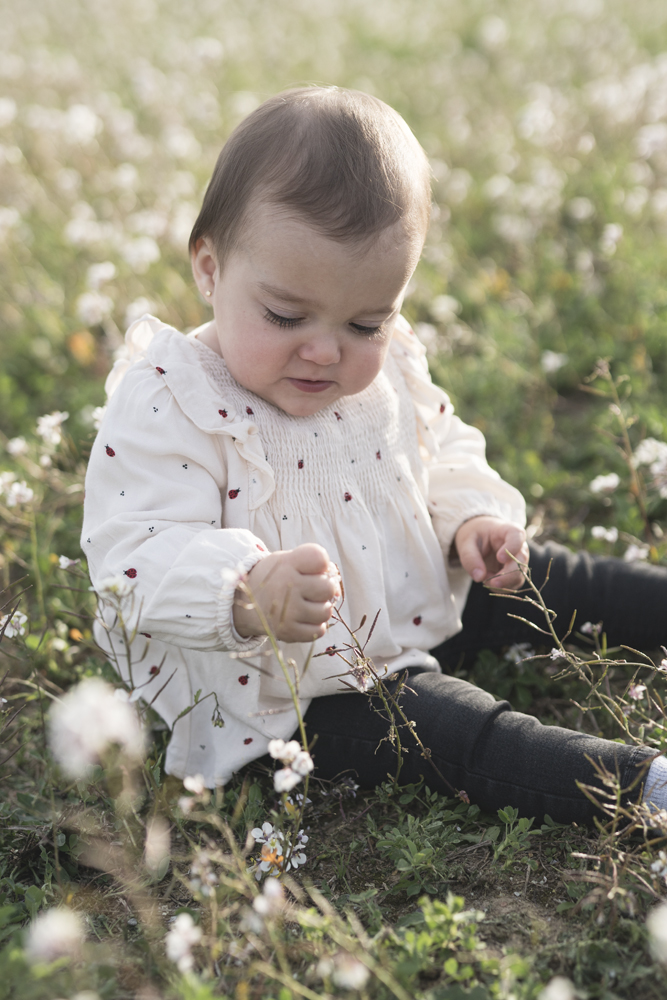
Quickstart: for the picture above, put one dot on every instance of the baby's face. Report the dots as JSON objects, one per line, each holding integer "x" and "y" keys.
{"x": 299, "y": 318}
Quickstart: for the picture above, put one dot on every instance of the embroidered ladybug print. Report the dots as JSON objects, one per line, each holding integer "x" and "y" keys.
{"x": 110, "y": 451}
{"x": 153, "y": 671}
{"x": 337, "y": 415}
{"x": 442, "y": 407}
{"x": 247, "y": 740}
{"x": 300, "y": 463}
{"x": 160, "y": 370}
{"x": 233, "y": 494}
{"x": 130, "y": 572}
{"x": 243, "y": 679}
{"x": 377, "y": 454}
{"x": 417, "y": 620}
{"x": 146, "y": 634}
{"x": 249, "y": 411}
{"x": 347, "y": 496}
{"x": 223, "y": 413}
{"x": 261, "y": 548}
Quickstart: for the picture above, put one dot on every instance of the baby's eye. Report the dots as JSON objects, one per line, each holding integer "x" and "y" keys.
{"x": 281, "y": 321}
{"x": 366, "y": 329}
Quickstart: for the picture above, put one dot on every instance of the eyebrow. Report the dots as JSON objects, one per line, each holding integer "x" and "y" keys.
{"x": 285, "y": 296}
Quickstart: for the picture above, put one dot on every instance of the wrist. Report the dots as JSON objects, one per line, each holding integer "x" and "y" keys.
{"x": 247, "y": 622}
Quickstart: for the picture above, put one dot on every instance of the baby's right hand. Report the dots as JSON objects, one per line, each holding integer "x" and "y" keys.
{"x": 295, "y": 592}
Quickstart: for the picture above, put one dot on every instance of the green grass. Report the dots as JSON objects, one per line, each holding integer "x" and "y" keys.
{"x": 111, "y": 117}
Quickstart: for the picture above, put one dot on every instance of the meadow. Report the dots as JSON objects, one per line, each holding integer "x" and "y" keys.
{"x": 542, "y": 300}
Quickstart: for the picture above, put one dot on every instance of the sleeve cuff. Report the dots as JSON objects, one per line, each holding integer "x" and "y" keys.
{"x": 225, "y": 617}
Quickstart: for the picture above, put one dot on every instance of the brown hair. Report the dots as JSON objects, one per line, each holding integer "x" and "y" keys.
{"x": 341, "y": 159}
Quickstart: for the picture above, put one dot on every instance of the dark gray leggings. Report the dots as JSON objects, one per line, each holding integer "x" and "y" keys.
{"x": 500, "y": 757}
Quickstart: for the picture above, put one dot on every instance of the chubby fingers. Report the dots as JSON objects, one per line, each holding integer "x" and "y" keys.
{"x": 512, "y": 555}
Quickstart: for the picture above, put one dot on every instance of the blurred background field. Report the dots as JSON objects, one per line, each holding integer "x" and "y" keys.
{"x": 546, "y": 126}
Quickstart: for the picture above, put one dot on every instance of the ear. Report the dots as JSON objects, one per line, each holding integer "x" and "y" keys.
{"x": 204, "y": 266}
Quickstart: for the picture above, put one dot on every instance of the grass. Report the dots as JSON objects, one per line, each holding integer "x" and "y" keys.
{"x": 545, "y": 127}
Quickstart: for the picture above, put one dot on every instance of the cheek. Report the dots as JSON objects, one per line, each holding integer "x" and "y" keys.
{"x": 365, "y": 363}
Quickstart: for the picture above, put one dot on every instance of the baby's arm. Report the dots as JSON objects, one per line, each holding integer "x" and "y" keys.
{"x": 485, "y": 547}
{"x": 292, "y": 592}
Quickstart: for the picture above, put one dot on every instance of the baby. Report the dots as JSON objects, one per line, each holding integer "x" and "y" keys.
{"x": 297, "y": 430}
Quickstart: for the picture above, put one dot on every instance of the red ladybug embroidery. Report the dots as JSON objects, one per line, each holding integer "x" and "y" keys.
{"x": 153, "y": 671}
{"x": 417, "y": 620}
{"x": 247, "y": 740}
{"x": 130, "y": 572}
{"x": 300, "y": 463}
{"x": 110, "y": 451}
{"x": 378, "y": 455}
{"x": 160, "y": 370}
{"x": 347, "y": 496}
{"x": 223, "y": 413}
{"x": 261, "y": 548}
{"x": 233, "y": 494}
{"x": 243, "y": 679}
{"x": 337, "y": 415}
{"x": 442, "y": 407}
{"x": 146, "y": 634}
{"x": 249, "y": 411}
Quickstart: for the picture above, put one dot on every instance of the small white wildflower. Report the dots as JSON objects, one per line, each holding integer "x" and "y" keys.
{"x": 604, "y": 534}
{"x": 45, "y": 461}
{"x": 64, "y": 562}
{"x": 555, "y": 654}
{"x": 605, "y": 484}
{"x": 87, "y": 720}
{"x": 285, "y": 779}
{"x": 551, "y": 362}
{"x": 114, "y": 586}
{"x": 272, "y": 900}
{"x": 180, "y": 940}
{"x": 97, "y": 416}
{"x": 158, "y": 843}
{"x": 186, "y": 804}
{"x": 93, "y": 307}
{"x": 656, "y": 924}
{"x": 18, "y": 493}
{"x": 58, "y": 933}
{"x": 14, "y": 627}
{"x": 302, "y": 763}
{"x": 659, "y": 866}
{"x": 195, "y": 783}
{"x": 635, "y": 553}
{"x": 519, "y": 651}
{"x": 272, "y": 850}
{"x": 558, "y": 988}
{"x": 360, "y": 675}
{"x": 611, "y": 234}
{"x": 140, "y": 253}
{"x": 648, "y": 451}
{"x": 286, "y": 752}
{"x": 348, "y": 972}
{"x": 49, "y": 427}
{"x": 636, "y": 691}
{"x": 17, "y": 446}
{"x": 6, "y": 480}
{"x": 588, "y": 628}
{"x": 99, "y": 274}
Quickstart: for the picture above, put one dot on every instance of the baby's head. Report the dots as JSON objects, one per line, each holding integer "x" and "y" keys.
{"x": 310, "y": 229}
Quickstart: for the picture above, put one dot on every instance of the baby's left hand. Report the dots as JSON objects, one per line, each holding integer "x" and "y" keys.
{"x": 483, "y": 544}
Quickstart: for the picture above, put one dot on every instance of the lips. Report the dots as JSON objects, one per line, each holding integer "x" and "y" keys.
{"x": 310, "y": 385}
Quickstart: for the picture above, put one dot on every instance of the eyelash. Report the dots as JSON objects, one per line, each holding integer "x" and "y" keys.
{"x": 287, "y": 324}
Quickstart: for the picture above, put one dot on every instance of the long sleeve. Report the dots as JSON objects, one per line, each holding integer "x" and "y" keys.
{"x": 154, "y": 510}
{"x": 460, "y": 483}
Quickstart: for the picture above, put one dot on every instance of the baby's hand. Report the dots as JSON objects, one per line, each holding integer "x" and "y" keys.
{"x": 483, "y": 543}
{"x": 294, "y": 590}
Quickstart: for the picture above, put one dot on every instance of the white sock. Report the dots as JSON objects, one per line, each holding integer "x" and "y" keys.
{"x": 655, "y": 787}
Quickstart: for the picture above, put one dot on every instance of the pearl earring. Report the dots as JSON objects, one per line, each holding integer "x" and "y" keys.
{"x": 208, "y": 293}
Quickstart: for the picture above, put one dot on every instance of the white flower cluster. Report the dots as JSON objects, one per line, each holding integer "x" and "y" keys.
{"x": 298, "y": 763}
{"x": 180, "y": 940}
{"x": 14, "y": 626}
{"x": 273, "y": 851}
{"x": 345, "y": 970}
{"x": 87, "y": 720}
{"x": 605, "y": 484}
{"x": 15, "y": 493}
{"x": 654, "y": 454}
{"x": 603, "y": 534}
{"x": 114, "y": 587}
{"x": 57, "y": 933}
{"x": 49, "y": 428}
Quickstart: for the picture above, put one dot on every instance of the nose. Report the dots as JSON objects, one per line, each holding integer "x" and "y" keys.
{"x": 321, "y": 348}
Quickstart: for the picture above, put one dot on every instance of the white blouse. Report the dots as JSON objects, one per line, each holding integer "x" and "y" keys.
{"x": 192, "y": 479}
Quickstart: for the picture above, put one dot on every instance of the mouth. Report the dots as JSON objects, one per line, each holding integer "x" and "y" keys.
{"x": 311, "y": 385}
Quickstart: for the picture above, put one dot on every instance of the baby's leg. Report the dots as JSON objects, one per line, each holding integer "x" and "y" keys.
{"x": 630, "y": 599}
{"x": 499, "y": 757}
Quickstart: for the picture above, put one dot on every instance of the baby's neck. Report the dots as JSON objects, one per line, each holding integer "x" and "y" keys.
{"x": 207, "y": 335}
